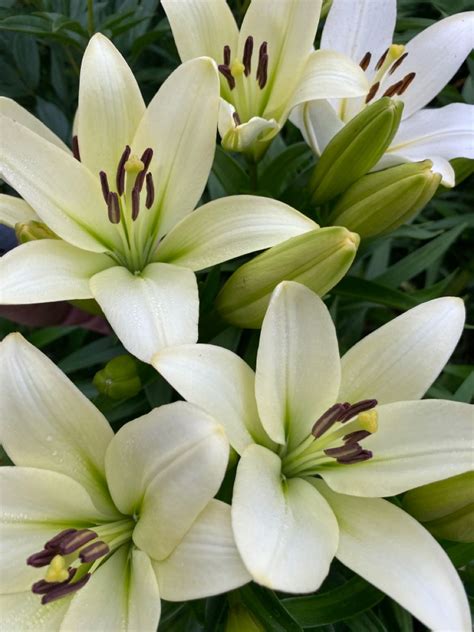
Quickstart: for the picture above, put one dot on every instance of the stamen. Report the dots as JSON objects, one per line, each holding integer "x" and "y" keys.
{"x": 64, "y": 589}
{"x": 226, "y": 55}
{"x": 365, "y": 455}
{"x": 390, "y": 92}
{"x": 75, "y": 148}
{"x": 120, "y": 177}
{"x": 150, "y": 190}
{"x": 355, "y": 437}
{"x": 365, "y": 61}
{"x": 53, "y": 543}
{"x": 348, "y": 450}
{"x": 146, "y": 159}
{"x": 247, "y": 56}
{"x": 113, "y": 208}
{"x": 381, "y": 60}
{"x": 359, "y": 407}
{"x": 328, "y": 419}
{"x": 135, "y": 202}
{"x": 406, "y": 82}
{"x": 236, "y": 118}
{"x": 262, "y": 69}
{"x": 93, "y": 552}
{"x": 372, "y": 92}
{"x": 73, "y": 542}
{"x": 225, "y": 70}
{"x": 43, "y": 558}
{"x": 104, "y": 183}
{"x": 42, "y": 586}
{"x": 397, "y": 63}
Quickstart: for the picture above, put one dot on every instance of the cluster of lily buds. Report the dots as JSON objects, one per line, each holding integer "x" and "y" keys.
{"x": 119, "y": 378}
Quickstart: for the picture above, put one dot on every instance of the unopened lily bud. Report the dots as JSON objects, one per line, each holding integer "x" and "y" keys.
{"x": 33, "y": 230}
{"x": 380, "y": 202}
{"x": 354, "y": 150}
{"x": 119, "y": 378}
{"x": 240, "y": 619}
{"x": 446, "y": 508}
{"x": 317, "y": 259}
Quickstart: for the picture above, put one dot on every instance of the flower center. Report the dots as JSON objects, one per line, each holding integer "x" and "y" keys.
{"x": 73, "y": 555}
{"x": 334, "y": 440}
{"x": 391, "y": 59}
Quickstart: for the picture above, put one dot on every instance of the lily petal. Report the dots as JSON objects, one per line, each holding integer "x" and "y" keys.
{"x": 221, "y": 383}
{"x": 298, "y": 367}
{"x": 230, "y": 227}
{"x": 155, "y": 309}
{"x": 166, "y": 466}
{"x": 46, "y": 422}
{"x": 144, "y": 605}
{"x": 391, "y": 550}
{"x": 242, "y": 136}
{"x": 285, "y": 531}
{"x": 110, "y": 106}
{"x": 401, "y": 360}
{"x": 318, "y": 122}
{"x": 184, "y": 139}
{"x": 206, "y": 562}
{"x": 48, "y": 270}
{"x": 14, "y": 210}
{"x": 61, "y": 190}
{"x": 23, "y": 612}
{"x": 36, "y": 505}
{"x": 14, "y": 111}
{"x": 416, "y": 443}
{"x": 434, "y": 55}
{"x": 201, "y": 28}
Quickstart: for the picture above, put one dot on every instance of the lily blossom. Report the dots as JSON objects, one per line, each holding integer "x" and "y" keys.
{"x": 267, "y": 68}
{"x": 95, "y": 528}
{"x": 414, "y": 73}
{"x": 322, "y": 439}
{"x": 119, "y": 209}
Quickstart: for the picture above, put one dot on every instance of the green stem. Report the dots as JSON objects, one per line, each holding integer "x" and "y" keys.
{"x": 253, "y": 176}
{"x": 90, "y": 17}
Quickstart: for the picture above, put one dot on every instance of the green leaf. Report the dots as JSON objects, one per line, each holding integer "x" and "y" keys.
{"x": 46, "y": 335}
{"x": 268, "y": 609}
{"x": 97, "y": 352}
{"x": 284, "y": 167}
{"x": 460, "y": 554}
{"x": 465, "y": 393}
{"x": 27, "y": 59}
{"x": 363, "y": 290}
{"x": 229, "y": 173}
{"x": 366, "y": 622}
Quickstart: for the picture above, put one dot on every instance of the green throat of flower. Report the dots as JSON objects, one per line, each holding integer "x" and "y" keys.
{"x": 71, "y": 556}
{"x": 334, "y": 440}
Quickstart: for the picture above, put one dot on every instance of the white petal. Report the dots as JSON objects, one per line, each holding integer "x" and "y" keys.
{"x": 201, "y": 28}
{"x": 110, "y": 107}
{"x": 180, "y": 125}
{"x": 46, "y": 422}
{"x": 155, "y": 309}
{"x": 221, "y": 383}
{"x": 231, "y": 227}
{"x": 435, "y": 55}
{"x": 416, "y": 443}
{"x": 14, "y": 111}
{"x": 391, "y": 550}
{"x": 356, "y": 28}
{"x": 23, "y": 612}
{"x": 256, "y": 131}
{"x": 285, "y": 531}
{"x": 36, "y": 505}
{"x": 318, "y": 122}
{"x": 206, "y": 562}
{"x": 144, "y": 606}
{"x": 48, "y": 270}
{"x": 59, "y": 188}
{"x": 329, "y": 75}
{"x": 102, "y": 604}
{"x": 166, "y": 466}
{"x": 401, "y": 360}
{"x": 298, "y": 367}
{"x": 289, "y": 28}
{"x": 14, "y": 209}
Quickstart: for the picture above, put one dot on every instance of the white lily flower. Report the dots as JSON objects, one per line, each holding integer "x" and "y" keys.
{"x": 123, "y": 211}
{"x": 267, "y": 68}
{"x": 414, "y": 73}
{"x": 321, "y": 438}
{"x": 107, "y": 523}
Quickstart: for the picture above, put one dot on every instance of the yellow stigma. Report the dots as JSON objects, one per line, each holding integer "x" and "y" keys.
{"x": 395, "y": 51}
{"x": 134, "y": 164}
{"x": 368, "y": 420}
{"x": 237, "y": 68}
{"x": 57, "y": 570}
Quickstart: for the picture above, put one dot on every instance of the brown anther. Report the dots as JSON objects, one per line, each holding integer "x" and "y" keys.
{"x": 372, "y": 92}
{"x": 236, "y": 118}
{"x": 61, "y": 590}
{"x": 392, "y": 90}
{"x": 40, "y": 559}
{"x": 120, "y": 177}
{"x": 397, "y": 63}
{"x": 227, "y": 55}
{"x": 357, "y": 408}
{"x": 104, "y": 183}
{"x": 344, "y": 451}
{"x": 42, "y": 587}
{"x": 328, "y": 419}
{"x": 93, "y": 552}
{"x": 74, "y": 541}
{"x": 150, "y": 191}
{"x": 75, "y": 148}
{"x": 54, "y": 542}
{"x": 364, "y": 455}
{"x": 365, "y": 61}
{"x": 406, "y": 82}
{"x": 247, "y": 56}
{"x": 225, "y": 71}
{"x": 146, "y": 159}
{"x": 135, "y": 202}
{"x": 262, "y": 69}
{"x": 355, "y": 437}
{"x": 113, "y": 208}
{"x": 381, "y": 60}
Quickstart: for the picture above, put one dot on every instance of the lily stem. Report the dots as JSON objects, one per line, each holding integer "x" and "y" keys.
{"x": 90, "y": 17}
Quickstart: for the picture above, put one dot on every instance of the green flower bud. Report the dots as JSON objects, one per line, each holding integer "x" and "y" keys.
{"x": 446, "y": 508}
{"x": 119, "y": 378}
{"x": 33, "y": 230}
{"x": 357, "y": 148}
{"x": 318, "y": 259}
{"x": 380, "y": 202}
{"x": 240, "y": 619}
